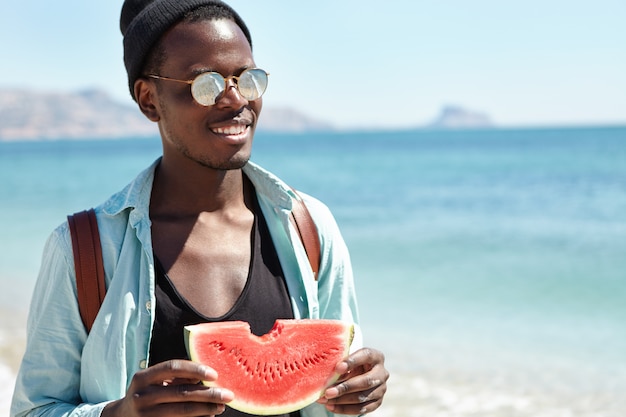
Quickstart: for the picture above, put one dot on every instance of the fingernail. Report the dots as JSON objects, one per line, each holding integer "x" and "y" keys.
{"x": 226, "y": 395}
{"x": 342, "y": 367}
{"x": 209, "y": 373}
{"x": 332, "y": 392}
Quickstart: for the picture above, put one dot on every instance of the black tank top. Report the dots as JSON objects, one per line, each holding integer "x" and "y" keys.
{"x": 263, "y": 300}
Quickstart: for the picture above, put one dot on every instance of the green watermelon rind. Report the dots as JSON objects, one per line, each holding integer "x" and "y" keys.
{"x": 250, "y": 407}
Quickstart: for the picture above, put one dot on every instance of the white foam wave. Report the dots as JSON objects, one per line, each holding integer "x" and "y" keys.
{"x": 7, "y": 382}
{"x": 468, "y": 396}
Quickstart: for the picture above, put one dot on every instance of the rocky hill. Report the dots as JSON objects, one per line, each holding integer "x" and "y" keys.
{"x": 34, "y": 115}
{"x": 276, "y": 119}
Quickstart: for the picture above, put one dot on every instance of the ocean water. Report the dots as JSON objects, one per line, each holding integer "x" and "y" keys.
{"x": 490, "y": 264}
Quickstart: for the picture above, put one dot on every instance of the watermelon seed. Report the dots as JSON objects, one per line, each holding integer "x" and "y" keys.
{"x": 219, "y": 346}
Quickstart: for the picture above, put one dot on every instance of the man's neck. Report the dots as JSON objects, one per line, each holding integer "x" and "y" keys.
{"x": 197, "y": 190}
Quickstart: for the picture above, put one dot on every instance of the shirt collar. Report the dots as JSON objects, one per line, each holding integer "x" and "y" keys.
{"x": 136, "y": 195}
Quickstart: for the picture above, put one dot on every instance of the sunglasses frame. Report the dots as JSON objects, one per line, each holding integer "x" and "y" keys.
{"x": 226, "y": 80}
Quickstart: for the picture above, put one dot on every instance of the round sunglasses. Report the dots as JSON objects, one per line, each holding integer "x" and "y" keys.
{"x": 207, "y": 87}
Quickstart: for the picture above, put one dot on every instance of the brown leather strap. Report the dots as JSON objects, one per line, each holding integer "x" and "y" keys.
{"x": 308, "y": 232}
{"x": 88, "y": 264}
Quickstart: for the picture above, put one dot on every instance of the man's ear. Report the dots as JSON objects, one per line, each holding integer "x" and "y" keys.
{"x": 145, "y": 92}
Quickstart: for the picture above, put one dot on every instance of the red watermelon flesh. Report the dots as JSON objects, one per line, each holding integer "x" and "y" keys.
{"x": 282, "y": 371}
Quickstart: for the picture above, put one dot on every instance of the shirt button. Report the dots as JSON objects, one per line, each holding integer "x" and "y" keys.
{"x": 143, "y": 364}
{"x": 149, "y": 306}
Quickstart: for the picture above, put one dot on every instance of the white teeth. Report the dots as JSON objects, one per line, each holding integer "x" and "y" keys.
{"x": 230, "y": 130}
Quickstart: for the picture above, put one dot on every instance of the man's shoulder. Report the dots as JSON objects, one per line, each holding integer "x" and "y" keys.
{"x": 135, "y": 194}
{"x": 128, "y": 206}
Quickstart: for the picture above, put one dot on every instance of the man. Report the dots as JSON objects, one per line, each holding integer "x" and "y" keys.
{"x": 201, "y": 235}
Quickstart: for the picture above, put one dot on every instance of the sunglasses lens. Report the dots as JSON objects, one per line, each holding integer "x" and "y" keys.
{"x": 252, "y": 83}
{"x": 207, "y": 87}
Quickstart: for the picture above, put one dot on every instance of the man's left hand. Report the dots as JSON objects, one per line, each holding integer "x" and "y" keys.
{"x": 362, "y": 384}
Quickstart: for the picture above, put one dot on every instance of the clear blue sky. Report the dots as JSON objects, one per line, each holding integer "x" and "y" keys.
{"x": 362, "y": 64}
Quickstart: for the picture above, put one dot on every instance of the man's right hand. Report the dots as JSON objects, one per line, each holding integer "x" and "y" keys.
{"x": 171, "y": 388}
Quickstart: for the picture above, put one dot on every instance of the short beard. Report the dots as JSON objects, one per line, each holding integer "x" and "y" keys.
{"x": 204, "y": 160}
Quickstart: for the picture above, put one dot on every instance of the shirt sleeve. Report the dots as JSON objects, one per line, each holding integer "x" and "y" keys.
{"x": 48, "y": 382}
{"x": 336, "y": 288}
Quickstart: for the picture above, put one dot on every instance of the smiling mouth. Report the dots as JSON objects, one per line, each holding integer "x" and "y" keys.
{"x": 237, "y": 129}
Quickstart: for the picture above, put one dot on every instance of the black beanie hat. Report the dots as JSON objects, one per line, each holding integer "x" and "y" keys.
{"x": 142, "y": 23}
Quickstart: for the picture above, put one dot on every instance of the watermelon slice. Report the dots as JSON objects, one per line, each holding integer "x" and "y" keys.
{"x": 277, "y": 373}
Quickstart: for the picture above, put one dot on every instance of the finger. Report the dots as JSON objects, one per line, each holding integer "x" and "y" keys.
{"x": 188, "y": 409}
{"x": 356, "y": 403}
{"x": 358, "y": 384}
{"x": 180, "y": 395}
{"x": 172, "y": 370}
{"x": 353, "y": 409}
{"x": 361, "y": 397}
{"x": 361, "y": 358}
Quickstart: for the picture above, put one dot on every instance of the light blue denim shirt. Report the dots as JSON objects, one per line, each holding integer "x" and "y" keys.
{"x": 66, "y": 372}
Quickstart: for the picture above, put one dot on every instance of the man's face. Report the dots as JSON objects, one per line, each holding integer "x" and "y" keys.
{"x": 218, "y": 136}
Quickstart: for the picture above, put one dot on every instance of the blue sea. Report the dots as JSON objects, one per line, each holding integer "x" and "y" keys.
{"x": 490, "y": 264}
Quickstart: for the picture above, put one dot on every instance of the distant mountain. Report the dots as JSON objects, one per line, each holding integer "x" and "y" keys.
{"x": 458, "y": 117}
{"x": 289, "y": 120}
{"x": 30, "y": 115}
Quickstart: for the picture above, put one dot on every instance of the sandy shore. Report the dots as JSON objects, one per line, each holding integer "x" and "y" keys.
{"x": 12, "y": 342}
{"x": 473, "y": 396}
{"x": 7, "y": 381}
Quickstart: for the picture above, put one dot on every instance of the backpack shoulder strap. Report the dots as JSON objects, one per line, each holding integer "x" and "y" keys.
{"x": 308, "y": 232}
{"x": 88, "y": 264}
